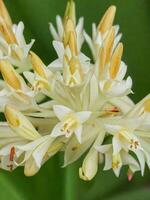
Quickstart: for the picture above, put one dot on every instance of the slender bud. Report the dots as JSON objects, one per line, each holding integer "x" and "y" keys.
{"x": 20, "y": 124}
{"x": 108, "y": 44}
{"x": 70, "y": 12}
{"x": 10, "y": 75}
{"x": 7, "y": 32}
{"x": 90, "y": 166}
{"x": 116, "y": 60}
{"x": 73, "y": 44}
{"x": 4, "y": 13}
{"x": 38, "y": 65}
{"x": 11, "y": 116}
{"x": 68, "y": 28}
{"x": 107, "y": 20}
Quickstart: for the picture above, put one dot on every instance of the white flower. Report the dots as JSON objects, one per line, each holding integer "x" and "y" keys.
{"x": 70, "y": 122}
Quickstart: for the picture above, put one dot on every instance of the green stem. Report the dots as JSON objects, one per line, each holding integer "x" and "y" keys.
{"x": 70, "y": 192}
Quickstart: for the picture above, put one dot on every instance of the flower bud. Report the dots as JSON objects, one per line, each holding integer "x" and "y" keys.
{"x": 70, "y": 12}
{"x": 10, "y": 75}
{"x": 116, "y": 60}
{"x": 4, "y": 13}
{"x": 107, "y": 20}
{"x": 7, "y": 32}
{"x": 90, "y": 166}
{"x": 38, "y": 65}
{"x": 20, "y": 124}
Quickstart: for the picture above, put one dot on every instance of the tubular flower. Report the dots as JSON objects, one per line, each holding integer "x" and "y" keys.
{"x": 72, "y": 105}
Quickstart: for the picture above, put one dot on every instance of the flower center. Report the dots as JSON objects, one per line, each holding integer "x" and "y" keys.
{"x": 69, "y": 125}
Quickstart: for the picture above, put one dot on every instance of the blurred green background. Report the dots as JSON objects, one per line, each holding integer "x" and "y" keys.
{"x": 54, "y": 182}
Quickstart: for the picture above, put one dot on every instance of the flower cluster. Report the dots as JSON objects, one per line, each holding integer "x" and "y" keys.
{"x": 73, "y": 105}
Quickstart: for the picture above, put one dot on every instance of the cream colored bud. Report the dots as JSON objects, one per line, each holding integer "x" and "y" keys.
{"x": 68, "y": 28}
{"x": 90, "y": 166}
{"x": 70, "y": 12}
{"x": 20, "y": 124}
{"x": 38, "y": 65}
{"x": 7, "y": 32}
{"x": 116, "y": 60}
{"x": 10, "y": 75}
{"x": 73, "y": 44}
{"x": 107, "y": 20}
{"x": 11, "y": 116}
{"x": 4, "y": 13}
{"x": 108, "y": 44}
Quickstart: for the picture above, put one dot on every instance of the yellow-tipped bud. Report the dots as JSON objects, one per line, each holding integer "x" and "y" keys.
{"x": 108, "y": 45}
{"x": 107, "y": 20}
{"x": 20, "y": 124}
{"x": 116, "y": 60}
{"x": 38, "y": 65}
{"x": 10, "y": 75}
{"x": 147, "y": 105}
{"x": 73, "y": 44}
{"x": 7, "y": 32}
{"x": 11, "y": 116}
{"x": 70, "y": 12}
{"x": 4, "y": 13}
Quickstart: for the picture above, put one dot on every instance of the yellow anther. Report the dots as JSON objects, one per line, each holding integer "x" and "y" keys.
{"x": 134, "y": 144}
{"x": 108, "y": 44}
{"x": 116, "y": 60}
{"x": 107, "y": 20}
{"x": 12, "y": 116}
{"x": 10, "y": 75}
{"x": 7, "y": 32}
{"x": 116, "y": 163}
{"x": 38, "y": 65}
{"x": 4, "y": 13}
{"x": 147, "y": 105}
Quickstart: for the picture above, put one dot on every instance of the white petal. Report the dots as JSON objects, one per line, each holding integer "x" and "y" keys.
{"x": 41, "y": 150}
{"x": 78, "y": 133}
{"x": 56, "y": 130}
{"x": 60, "y": 27}
{"x": 59, "y": 47}
{"x": 60, "y": 111}
{"x": 83, "y": 116}
{"x": 116, "y": 145}
{"x": 53, "y": 32}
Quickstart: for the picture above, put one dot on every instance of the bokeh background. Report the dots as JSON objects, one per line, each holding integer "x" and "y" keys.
{"x": 54, "y": 182}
